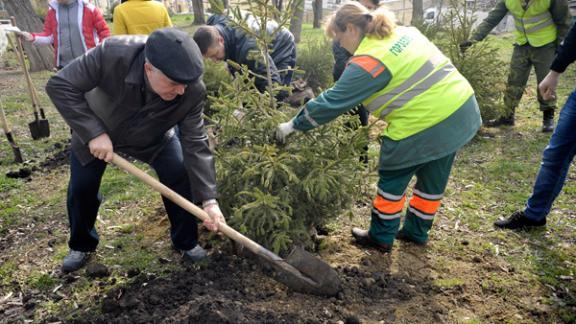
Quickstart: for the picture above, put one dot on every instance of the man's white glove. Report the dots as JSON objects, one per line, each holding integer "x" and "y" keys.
{"x": 216, "y": 217}
{"x": 283, "y": 130}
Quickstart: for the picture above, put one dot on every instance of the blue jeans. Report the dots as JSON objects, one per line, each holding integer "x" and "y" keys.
{"x": 84, "y": 199}
{"x": 556, "y": 160}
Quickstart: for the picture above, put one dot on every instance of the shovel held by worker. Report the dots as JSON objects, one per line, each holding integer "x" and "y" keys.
{"x": 9, "y": 137}
{"x": 39, "y": 128}
{"x": 301, "y": 271}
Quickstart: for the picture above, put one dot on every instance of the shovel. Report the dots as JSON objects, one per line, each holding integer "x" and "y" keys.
{"x": 8, "y": 133}
{"x": 39, "y": 128}
{"x": 301, "y": 271}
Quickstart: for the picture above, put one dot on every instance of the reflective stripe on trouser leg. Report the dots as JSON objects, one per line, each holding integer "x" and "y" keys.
{"x": 427, "y": 196}
{"x": 389, "y": 203}
{"x": 420, "y": 215}
{"x": 386, "y": 213}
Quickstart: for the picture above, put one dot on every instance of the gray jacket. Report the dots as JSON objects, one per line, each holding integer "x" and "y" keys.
{"x": 105, "y": 91}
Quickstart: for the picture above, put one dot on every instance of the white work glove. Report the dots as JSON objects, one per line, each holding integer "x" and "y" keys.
{"x": 216, "y": 217}
{"x": 25, "y": 36}
{"x": 283, "y": 130}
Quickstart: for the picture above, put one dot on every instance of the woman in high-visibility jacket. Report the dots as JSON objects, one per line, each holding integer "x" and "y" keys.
{"x": 429, "y": 107}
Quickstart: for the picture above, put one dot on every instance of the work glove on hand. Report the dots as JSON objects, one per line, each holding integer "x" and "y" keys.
{"x": 465, "y": 45}
{"x": 216, "y": 217}
{"x": 283, "y": 130}
{"x": 26, "y": 36}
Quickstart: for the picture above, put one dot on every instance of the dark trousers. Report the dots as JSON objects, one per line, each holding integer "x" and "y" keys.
{"x": 84, "y": 199}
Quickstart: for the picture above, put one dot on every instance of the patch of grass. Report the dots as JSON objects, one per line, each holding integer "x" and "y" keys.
{"x": 7, "y": 271}
{"x": 41, "y": 281}
{"x": 497, "y": 283}
{"x": 133, "y": 253}
{"x": 182, "y": 19}
{"x": 312, "y": 34}
{"x": 448, "y": 283}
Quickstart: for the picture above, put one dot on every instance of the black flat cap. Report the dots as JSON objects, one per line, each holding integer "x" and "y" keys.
{"x": 176, "y": 54}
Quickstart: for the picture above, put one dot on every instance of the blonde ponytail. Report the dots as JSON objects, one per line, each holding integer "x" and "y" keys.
{"x": 378, "y": 24}
{"x": 382, "y": 23}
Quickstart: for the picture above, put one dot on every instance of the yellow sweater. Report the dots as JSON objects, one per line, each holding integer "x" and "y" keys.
{"x": 140, "y": 17}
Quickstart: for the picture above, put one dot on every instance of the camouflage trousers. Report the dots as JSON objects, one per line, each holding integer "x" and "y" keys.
{"x": 523, "y": 58}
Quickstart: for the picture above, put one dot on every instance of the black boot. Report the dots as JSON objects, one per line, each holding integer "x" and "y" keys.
{"x": 506, "y": 120}
{"x": 548, "y": 121}
{"x": 502, "y": 121}
{"x": 519, "y": 221}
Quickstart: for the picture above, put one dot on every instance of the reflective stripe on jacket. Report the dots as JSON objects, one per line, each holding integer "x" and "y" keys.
{"x": 425, "y": 87}
{"x": 534, "y": 25}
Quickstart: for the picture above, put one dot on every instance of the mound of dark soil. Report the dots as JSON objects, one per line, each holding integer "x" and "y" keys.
{"x": 59, "y": 156}
{"x": 22, "y": 173}
{"x": 228, "y": 289}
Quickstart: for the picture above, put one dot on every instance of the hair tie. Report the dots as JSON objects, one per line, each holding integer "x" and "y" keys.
{"x": 368, "y": 17}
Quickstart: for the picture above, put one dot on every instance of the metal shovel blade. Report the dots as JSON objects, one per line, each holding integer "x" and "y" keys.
{"x": 15, "y": 149}
{"x": 303, "y": 272}
{"x": 17, "y": 154}
{"x": 39, "y": 129}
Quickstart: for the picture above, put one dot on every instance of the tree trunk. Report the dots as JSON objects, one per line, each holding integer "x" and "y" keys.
{"x": 198, "y": 6}
{"x": 278, "y": 4}
{"x": 317, "y": 8}
{"x": 40, "y": 57}
{"x": 297, "y": 18}
{"x": 417, "y": 12}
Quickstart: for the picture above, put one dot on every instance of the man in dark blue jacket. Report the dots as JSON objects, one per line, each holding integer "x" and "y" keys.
{"x": 220, "y": 41}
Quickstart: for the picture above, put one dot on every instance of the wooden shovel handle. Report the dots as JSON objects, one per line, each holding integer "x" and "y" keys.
{"x": 20, "y": 54}
{"x": 3, "y": 120}
{"x": 191, "y": 208}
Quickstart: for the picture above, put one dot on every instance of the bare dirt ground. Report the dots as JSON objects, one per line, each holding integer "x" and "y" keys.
{"x": 462, "y": 276}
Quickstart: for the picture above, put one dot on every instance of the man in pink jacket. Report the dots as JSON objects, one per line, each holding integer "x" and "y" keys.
{"x": 73, "y": 27}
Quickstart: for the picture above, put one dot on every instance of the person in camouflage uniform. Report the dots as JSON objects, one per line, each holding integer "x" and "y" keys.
{"x": 540, "y": 27}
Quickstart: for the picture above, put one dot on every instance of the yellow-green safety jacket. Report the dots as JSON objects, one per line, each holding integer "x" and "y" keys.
{"x": 534, "y": 24}
{"x": 425, "y": 87}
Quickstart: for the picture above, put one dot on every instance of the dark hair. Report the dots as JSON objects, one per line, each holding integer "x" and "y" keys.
{"x": 375, "y": 2}
{"x": 205, "y": 37}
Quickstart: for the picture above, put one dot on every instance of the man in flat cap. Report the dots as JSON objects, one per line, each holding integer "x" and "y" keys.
{"x": 127, "y": 95}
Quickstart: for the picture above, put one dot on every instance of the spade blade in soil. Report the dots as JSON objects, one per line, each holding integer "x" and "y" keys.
{"x": 39, "y": 129}
{"x": 17, "y": 154}
{"x": 303, "y": 272}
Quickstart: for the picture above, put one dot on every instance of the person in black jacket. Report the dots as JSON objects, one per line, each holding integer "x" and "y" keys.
{"x": 558, "y": 155}
{"x": 220, "y": 41}
{"x": 127, "y": 95}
